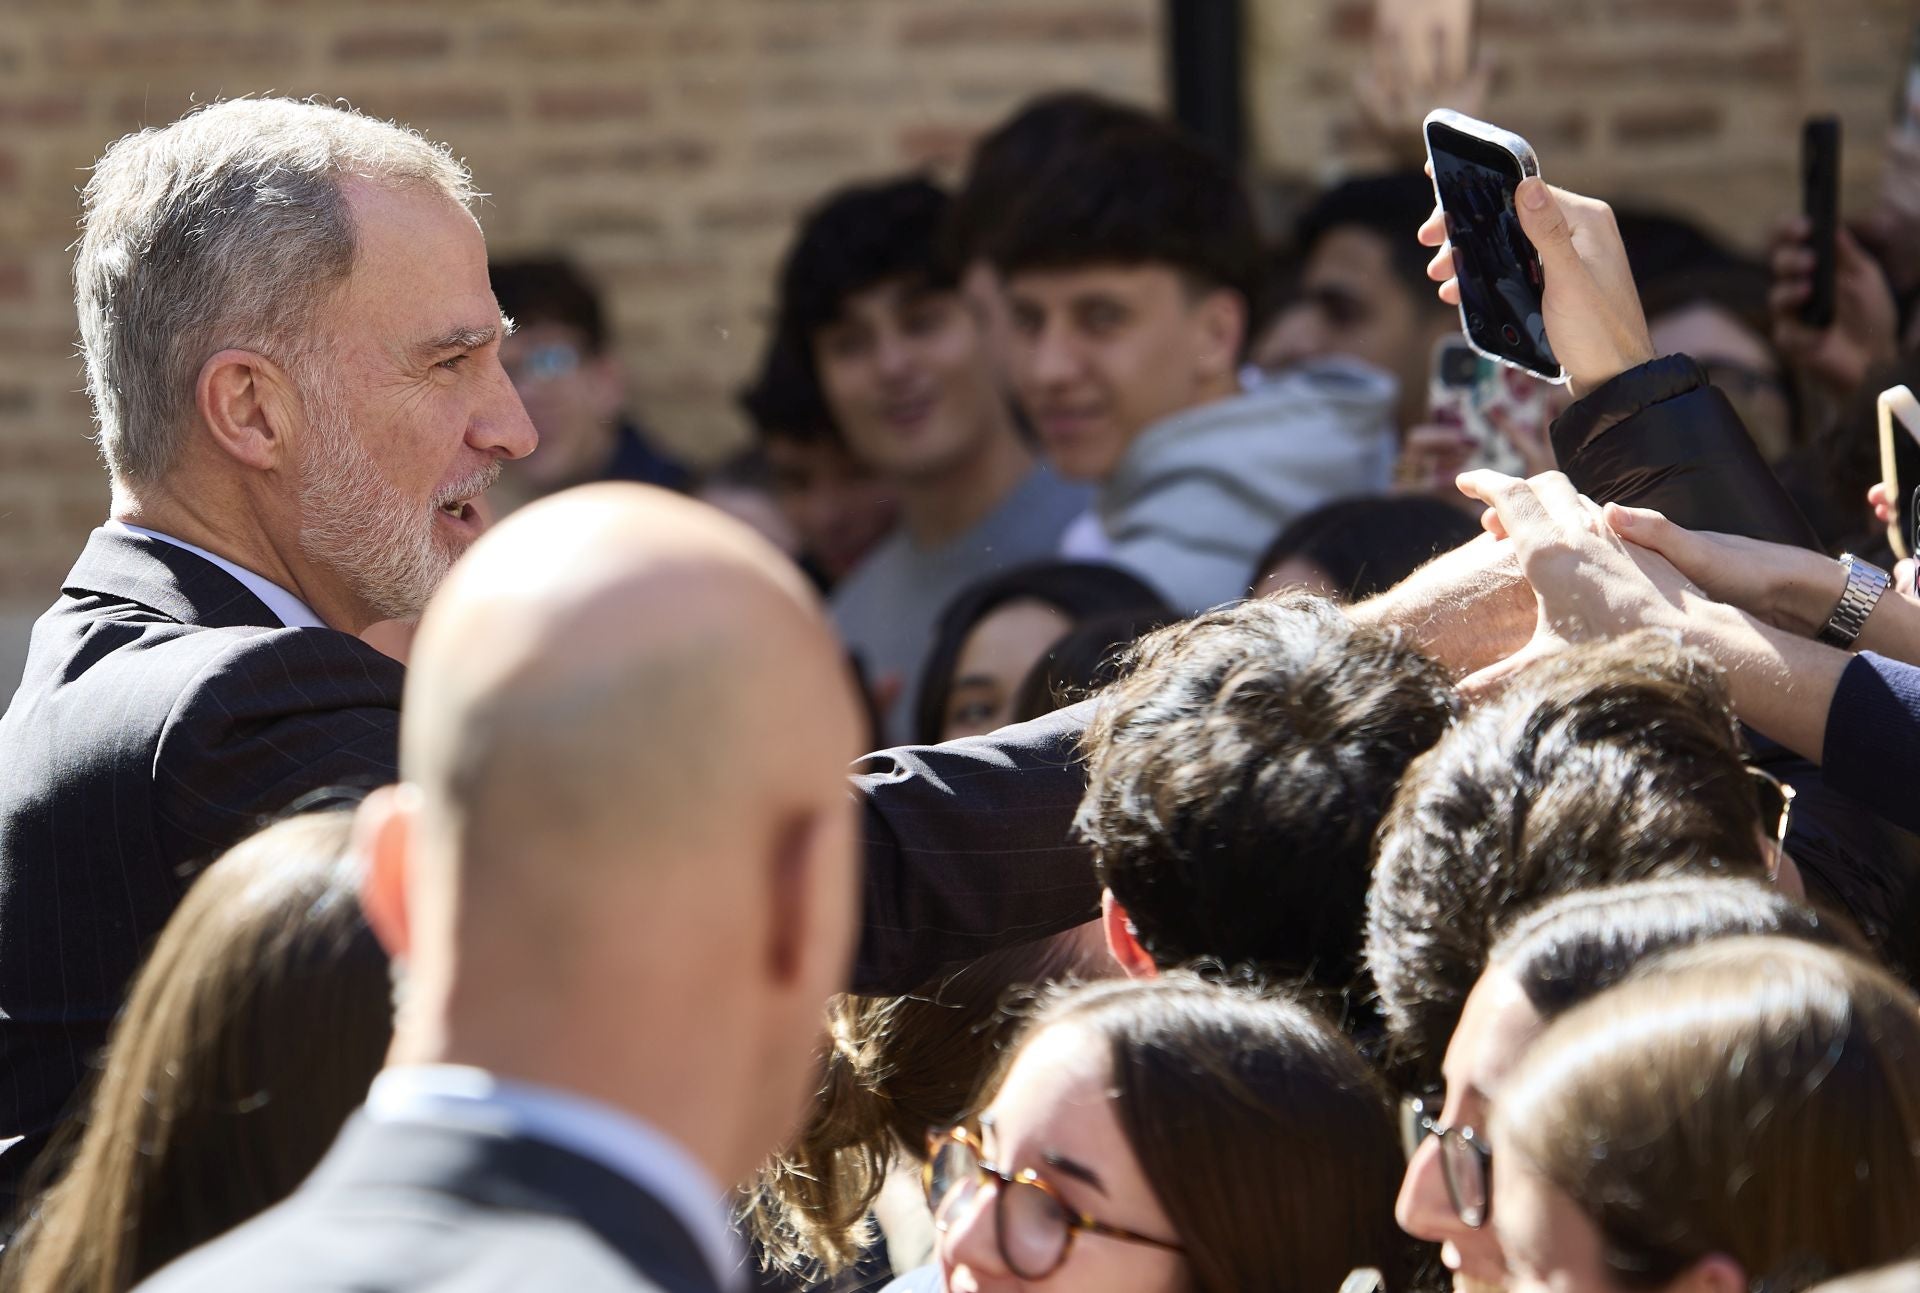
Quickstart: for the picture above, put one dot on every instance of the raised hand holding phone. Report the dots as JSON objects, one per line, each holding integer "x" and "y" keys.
{"x": 1592, "y": 310}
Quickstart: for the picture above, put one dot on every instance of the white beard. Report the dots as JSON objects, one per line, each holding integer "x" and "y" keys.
{"x": 384, "y": 545}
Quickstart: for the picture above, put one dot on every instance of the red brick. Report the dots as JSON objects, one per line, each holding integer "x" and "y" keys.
{"x": 9, "y": 170}
{"x": 810, "y": 148}
{"x": 933, "y": 145}
{"x": 598, "y": 103}
{"x": 138, "y": 52}
{"x": 392, "y": 45}
{"x": 966, "y": 26}
{"x": 1688, "y": 11}
{"x": 645, "y": 157}
{"x": 1679, "y": 64}
{"x": 1668, "y": 124}
{"x": 626, "y": 222}
{"x": 15, "y": 283}
{"x": 52, "y": 109}
{"x": 563, "y": 42}
{"x": 662, "y": 273}
{"x": 1352, "y": 21}
{"x": 15, "y": 401}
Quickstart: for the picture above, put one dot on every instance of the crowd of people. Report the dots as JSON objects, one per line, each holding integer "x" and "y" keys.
{"x": 437, "y": 850}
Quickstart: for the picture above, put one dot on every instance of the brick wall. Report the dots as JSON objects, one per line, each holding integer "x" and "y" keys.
{"x": 1690, "y": 105}
{"x": 668, "y": 144}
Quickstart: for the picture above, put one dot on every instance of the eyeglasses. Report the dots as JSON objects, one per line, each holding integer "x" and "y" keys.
{"x": 1033, "y": 1225}
{"x": 1774, "y": 802}
{"x": 1466, "y": 1163}
{"x": 545, "y": 363}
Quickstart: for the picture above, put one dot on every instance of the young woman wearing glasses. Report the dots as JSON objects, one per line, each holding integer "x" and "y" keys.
{"x": 1545, "y": 964}
{"x": 1170, "y": 1134}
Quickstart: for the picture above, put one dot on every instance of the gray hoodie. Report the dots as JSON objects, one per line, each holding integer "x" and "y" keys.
{"x": 1199, "y": 496}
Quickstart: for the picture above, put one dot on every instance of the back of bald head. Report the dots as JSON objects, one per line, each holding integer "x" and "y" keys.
{"x": 617, "y": 684}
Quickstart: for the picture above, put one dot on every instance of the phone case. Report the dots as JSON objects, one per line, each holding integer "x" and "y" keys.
{"x": 1522, "y": 152}
{"x": 1477, "y": 403}
{"x": 1897, "y": 405}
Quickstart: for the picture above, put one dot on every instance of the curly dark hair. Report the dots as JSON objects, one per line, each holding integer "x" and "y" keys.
{"x": 1614, "y": 761}
{"x": 1235, "y": 777}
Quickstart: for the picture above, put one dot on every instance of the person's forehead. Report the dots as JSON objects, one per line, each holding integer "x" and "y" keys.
{"x": 1349, "y": 256}
{"x": 890, "y": 295}
{"x": 1496, "y": 1026}
{"x": 1057, "y": 1091}
{"x": 1092, "y": 282}
{"x": 420, "y": 268}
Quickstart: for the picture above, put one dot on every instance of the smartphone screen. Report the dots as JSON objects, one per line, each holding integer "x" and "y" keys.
{"x": 1499, "y": 272}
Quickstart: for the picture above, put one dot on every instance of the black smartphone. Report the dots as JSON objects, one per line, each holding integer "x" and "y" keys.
{"x": 1820, "y": 190}
{"x": 1476, "y": 168}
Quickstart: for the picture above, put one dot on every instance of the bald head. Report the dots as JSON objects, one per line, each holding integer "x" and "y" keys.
{"x": 621, "y": 672}
{"x": 625, "y": 736}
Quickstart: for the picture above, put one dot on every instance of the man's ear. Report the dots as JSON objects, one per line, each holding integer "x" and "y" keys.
{"x": 1122, "y": 942}
{"x": 1222, "y": 318}
{"x": 383, "y": 834}
{"x": 248, "y": 404}
{"x": 792, "y": 911}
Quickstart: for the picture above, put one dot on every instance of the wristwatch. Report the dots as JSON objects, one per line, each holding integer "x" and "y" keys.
{"x": 1865, "y": 584}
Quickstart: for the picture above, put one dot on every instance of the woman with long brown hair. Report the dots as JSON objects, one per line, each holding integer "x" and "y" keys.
{"x": 252, "y": 1031}
{"x": 1740, "y": 1115}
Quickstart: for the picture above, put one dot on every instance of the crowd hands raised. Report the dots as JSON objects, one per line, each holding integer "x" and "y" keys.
{"x": 1384, "y": 850}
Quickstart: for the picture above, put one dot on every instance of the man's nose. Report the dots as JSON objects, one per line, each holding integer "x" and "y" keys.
{"x": 968, "y": 1238}
{"x": 1055, "y": 358}
{"x": 500, "y": 426}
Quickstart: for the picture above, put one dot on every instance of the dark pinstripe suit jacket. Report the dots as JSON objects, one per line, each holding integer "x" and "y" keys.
{"x": 163, "y": 714}
{"x": 398, "y": 1206}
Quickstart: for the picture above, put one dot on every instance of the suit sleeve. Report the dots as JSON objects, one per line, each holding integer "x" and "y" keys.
{"x": 969, "y": 847}
{"x": 273, "y": 717}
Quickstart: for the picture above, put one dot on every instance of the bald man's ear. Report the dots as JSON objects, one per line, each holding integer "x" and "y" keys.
{"x": 1714, "y": 1273}
{"x": 383, "y": 843}
{"x": 1122, "y": 942}
{"x": 248, "y": 404}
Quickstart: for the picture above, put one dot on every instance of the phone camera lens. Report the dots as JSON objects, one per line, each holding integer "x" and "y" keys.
{"x": 1510, "y": 334}
{"x": 1474, "y": 322}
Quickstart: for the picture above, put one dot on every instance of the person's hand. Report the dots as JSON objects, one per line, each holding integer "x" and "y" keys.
{"x": 1588, "y": 583}
{"x": 1894, "y": 227}
{"x": 1593, "y": 315}
{"x": 1422, "y": 57}
{"x": 1865, "y": 318}
{"x": 393, "y": 638}
{"x": 1787, "y": 587}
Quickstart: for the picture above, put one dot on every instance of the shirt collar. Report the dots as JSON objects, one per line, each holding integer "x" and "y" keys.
{"x": 454, "y": 1095}
{"x": 292, "y": 612}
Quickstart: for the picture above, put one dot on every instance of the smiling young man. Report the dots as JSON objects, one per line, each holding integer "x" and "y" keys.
{"x": 1132, "y": 268}
{"x": 904, "y": 364}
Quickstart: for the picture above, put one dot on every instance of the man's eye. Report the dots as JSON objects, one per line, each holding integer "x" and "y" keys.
{"x": 453, "y": 363}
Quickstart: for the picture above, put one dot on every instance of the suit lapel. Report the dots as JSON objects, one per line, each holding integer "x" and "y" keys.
{"x": 498, "y": 1171}
{"x": 166, "y": 579}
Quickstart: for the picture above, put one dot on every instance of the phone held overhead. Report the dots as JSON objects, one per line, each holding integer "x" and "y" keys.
{"x": 1476, "y": 168}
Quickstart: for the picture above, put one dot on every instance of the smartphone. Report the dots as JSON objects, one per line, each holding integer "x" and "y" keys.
{"x": 1820, "y": 199}
{"x": 1479, "y": 396}
{"x": 1476, "y": 168}
{"x": 1900, "y": 466}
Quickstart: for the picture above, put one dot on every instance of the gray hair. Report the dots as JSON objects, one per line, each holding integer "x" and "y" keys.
{"x": 227, "y": 229}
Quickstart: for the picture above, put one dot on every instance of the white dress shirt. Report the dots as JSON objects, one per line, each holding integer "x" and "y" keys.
{"x": 451, "y": 1095}
{"x": 293, "y": 613}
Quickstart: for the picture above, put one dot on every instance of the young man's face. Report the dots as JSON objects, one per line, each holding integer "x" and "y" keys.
{"x": 1352, "y": 302}
{"x": 907, "y": 377}
{"x": 1101, "y": 354}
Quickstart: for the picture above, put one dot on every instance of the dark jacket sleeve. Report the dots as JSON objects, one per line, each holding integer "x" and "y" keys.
{"x": 1871, "y": 751}
{"x": 969, "y": 847}
{"x": 1660, "y": 436}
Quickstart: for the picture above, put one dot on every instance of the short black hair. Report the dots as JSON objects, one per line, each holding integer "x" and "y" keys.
{"x": 783, "y": 401}
{"x": 1005, "y": 162}
{"x": 1236, "y": 775}
{"x": 857, "y": 238}
{"x": 1611, "y": 761}
{"x": 1142, "y": 195}
{"x": 1392, "y": 206}
{"x": 1367, "y": 545}
{"x": 550, "y": 289}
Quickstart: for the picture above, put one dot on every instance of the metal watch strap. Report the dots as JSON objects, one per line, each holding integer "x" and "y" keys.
{"x": 1865, "y": 584}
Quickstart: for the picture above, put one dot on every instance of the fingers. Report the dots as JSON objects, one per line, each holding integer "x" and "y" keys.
{"x": 1495, "y": 678}
{"x": 1903, "y": 575}
{"x": 1441, "y": 267}
{"x": 1649, "y": 529}
{"x": 1434, "y": 232}
{"x": 1545, "y": 222}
